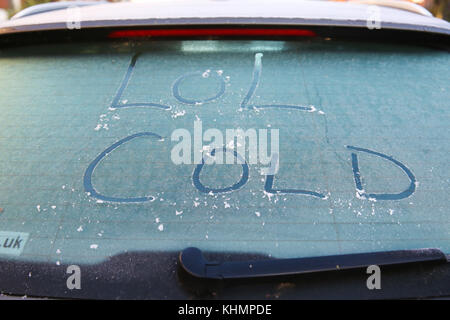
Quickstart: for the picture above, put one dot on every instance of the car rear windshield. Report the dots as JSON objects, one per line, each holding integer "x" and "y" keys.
{"x": 282, "y": 148}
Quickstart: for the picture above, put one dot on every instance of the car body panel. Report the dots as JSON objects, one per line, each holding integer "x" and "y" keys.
{"x": 231, "y": 12}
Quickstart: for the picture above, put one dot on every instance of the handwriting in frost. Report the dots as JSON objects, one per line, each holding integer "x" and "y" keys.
{"x": 269, "y": 177}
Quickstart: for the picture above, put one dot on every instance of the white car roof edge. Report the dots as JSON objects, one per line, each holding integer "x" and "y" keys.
{"x": 53, "y": 6}
{"x": 230, "y": 12}
{"x": 398, "y": 4}
{"x": 223, "y": 21}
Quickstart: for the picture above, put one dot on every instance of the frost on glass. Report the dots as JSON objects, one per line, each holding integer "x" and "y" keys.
{"x": 85, "y": 144}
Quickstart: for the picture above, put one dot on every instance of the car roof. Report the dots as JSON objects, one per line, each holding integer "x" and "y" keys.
{"x": 229, "y": 12}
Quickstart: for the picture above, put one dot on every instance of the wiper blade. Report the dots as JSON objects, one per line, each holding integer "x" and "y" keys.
{"x": 194, "y": 263}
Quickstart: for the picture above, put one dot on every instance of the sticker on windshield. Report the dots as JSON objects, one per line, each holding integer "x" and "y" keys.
{"x": 12, "y": 243}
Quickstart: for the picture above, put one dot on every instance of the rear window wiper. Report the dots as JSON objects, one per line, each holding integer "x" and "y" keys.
{"x": 195, "y": 264}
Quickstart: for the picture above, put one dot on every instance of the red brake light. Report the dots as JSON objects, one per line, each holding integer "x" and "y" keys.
{"x": 241, "y": 32}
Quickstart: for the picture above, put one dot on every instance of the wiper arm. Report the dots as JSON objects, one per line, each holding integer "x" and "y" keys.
{"x": 193, "y": 262}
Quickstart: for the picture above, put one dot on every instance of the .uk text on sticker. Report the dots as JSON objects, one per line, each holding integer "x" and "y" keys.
{"x": 12, "y": 243}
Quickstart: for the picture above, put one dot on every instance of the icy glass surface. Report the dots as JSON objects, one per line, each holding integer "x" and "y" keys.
{"x": 85, "y": 147}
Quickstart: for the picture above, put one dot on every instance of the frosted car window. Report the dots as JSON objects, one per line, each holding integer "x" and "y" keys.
{"x": 86, "y": 145}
